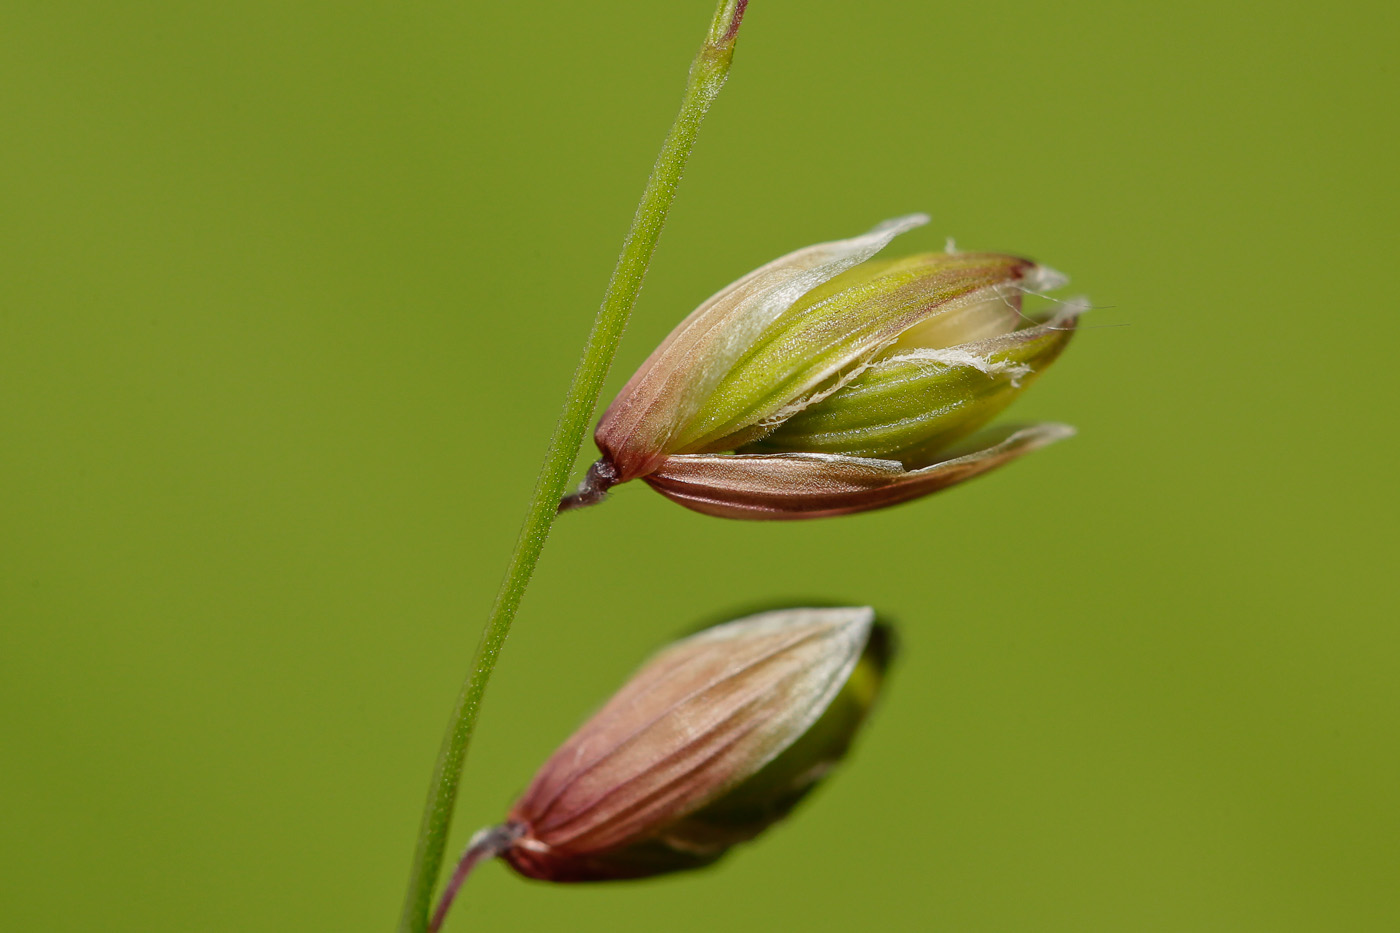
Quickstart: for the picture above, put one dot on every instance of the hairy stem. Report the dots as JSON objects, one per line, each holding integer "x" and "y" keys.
{"x": 707, "y": 75}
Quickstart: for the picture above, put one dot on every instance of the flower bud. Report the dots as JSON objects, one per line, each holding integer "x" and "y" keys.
{"x": 714, "y": 739}
{"x": 828, "y": 382}
{"x": 689, "y": 757}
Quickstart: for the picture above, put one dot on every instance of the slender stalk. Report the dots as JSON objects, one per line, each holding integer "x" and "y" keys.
{"x": 707, "y": 76}
{"x": 486, "y": 844}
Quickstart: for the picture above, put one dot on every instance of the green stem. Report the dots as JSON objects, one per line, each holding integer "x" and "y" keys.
{"x": 707, "y": 75}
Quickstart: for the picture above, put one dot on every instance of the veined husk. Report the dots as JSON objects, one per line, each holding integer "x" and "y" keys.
{"x": 714, "y": 739}
{"x": 829, "y": 382}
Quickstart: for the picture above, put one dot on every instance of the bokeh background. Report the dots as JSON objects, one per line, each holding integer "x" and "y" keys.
{"x": 291, "y": 293}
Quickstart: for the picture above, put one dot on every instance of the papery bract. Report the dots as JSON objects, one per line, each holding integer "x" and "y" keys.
{"x": 829, "y": 382}
{"x": 655, "y": 781}
{"x": 714, "y": 739}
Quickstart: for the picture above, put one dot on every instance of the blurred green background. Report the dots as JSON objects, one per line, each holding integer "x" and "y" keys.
{"x": 290, "y": 297}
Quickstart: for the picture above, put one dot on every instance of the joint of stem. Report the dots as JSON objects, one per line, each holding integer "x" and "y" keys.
{"x": 727, "y": 22}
